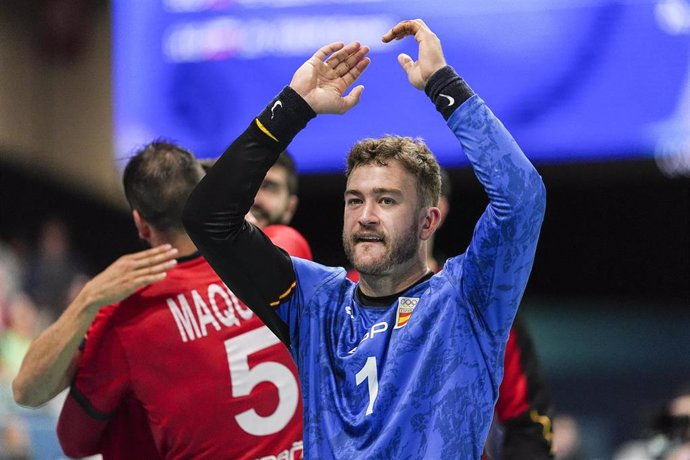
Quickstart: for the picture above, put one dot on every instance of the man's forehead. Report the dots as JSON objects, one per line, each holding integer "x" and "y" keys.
{"x": 277, "y": 173}
{"x": 374, "y": 178}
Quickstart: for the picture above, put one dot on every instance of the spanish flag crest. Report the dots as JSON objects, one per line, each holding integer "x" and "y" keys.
{"x": 405, "y": 307}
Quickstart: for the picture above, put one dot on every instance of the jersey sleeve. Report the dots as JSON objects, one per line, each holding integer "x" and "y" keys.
{"x": 493, "y": 272}
{"x": 311, "y": 278}
{"x": 257, "y": 271}
{"x": 78, "y": 432}
{"x": 100, "y": 383}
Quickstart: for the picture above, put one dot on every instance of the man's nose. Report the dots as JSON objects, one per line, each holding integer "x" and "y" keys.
{"x": 369, "y": 215}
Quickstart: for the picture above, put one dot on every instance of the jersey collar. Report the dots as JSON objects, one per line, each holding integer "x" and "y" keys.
{"x": 385, "y": 301}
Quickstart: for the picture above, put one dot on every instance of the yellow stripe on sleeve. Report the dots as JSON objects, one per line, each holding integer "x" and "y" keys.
{"x": 265, "y": 131}
{"x": 284, "y": 294}
{"x": 545, "y": 422}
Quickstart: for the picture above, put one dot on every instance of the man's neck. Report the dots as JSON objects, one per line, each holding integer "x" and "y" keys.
{"x": 430, "y": 260}
{"x": 180, "y": 241}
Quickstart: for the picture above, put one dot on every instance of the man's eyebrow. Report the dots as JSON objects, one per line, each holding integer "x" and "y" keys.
{"x": 384, "y": 191}
{"x": 352, "y": 191}
{"x": 376, "y": 191}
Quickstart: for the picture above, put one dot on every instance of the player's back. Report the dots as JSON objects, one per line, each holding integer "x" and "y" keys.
{"x": 213, "y": 380}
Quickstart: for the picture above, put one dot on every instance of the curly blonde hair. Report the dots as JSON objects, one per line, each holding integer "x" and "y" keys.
{"x": 413, "y": 155}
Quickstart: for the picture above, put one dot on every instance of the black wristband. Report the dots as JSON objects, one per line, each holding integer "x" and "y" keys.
{"x": 447, "y": 90}
{"x": 285, "y": 116}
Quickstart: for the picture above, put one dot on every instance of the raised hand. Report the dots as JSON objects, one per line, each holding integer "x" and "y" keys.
{"x": 129, "y": 273}
{"x": 323, "y": 79}
{"x": 430, "y": 52}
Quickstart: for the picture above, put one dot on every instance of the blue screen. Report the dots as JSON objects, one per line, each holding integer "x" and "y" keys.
{"x": 572, "y": 80}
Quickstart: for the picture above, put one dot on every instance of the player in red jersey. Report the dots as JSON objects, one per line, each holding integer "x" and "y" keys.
{"x": 207, "y": 375}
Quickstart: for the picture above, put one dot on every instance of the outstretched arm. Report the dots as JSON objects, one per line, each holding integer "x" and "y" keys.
{"x": 256, "y": 271}
{"x": 493, "y": 272}
{"x": 50, "y": 362}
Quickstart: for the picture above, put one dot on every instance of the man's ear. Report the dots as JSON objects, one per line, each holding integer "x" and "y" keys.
{"x": 431, "y": 220}
{"x": 143, "y": 227}
{"x": 444, "y": 207}
{"x": 293, "y": 201}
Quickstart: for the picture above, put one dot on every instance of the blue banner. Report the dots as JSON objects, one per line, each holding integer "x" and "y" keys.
{"x": 572, "y": 80}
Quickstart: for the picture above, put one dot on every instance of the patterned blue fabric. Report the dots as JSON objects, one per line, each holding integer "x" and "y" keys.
{"x": 434, "y": 381}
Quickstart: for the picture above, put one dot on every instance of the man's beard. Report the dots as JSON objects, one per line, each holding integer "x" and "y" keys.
{"x": 402, "y": 250}
{"x": 264, "y": 218}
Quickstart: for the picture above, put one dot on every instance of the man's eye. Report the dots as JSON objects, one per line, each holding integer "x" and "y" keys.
{"x": 270, "y": 186}
{"x": 353, "y": 201}
{"x": 387, "y": 201}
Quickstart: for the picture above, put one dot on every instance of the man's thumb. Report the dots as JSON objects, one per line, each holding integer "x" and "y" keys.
{"x": 406, "y": 62}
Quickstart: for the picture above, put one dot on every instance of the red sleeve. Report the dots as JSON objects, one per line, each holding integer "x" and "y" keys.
{"x": 100, "y": 383}
{"x": 524, "y": 405}
{"x": 353, "y": 275}
{"x": 512, "y": 395}
{"x": 290, "y": 240}
{"x": 79, "y": 433}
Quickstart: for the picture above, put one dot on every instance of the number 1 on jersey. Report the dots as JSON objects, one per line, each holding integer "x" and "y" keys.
{"x": 369, "y": 373}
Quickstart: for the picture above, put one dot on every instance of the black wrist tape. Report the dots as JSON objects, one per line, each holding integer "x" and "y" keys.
{"x": 285, "y": 116}
{"x": 447, "y": 90}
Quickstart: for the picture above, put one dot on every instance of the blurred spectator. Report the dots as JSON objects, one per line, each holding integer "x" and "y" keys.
{"x": 567, "y": 442}
{"x": 11, "y": 274}
{"x": 53, "y": 269}
{"x": 21, "y": 328}
{"x": 668, "y": 434}
{"x": 15, "y": 339}
{"x": 14, "y": 442}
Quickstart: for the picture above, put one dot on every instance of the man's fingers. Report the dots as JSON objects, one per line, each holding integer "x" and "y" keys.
{"x": 327, "y": 50}
{"x": 352, "y": 99}
{"x": 405, "y": 62}
{"x": 150, "y": 252}
{"x": 354, "y": 73}
{"x": 403, "y": 29}
{"x": 150, "y": 269}
{"x": 351, "y": 62}
{"x": 155, "y": 258}
{"x": 148, "y": 279}
{"x": 342, "y": 55}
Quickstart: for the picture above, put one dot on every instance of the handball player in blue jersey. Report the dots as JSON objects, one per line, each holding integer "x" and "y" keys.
{"x": 405, "y": 364}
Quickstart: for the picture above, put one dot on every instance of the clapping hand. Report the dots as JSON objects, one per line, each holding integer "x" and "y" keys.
{"x": 323, "y": 79}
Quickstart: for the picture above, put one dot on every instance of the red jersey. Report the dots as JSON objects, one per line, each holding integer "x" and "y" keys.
{"x": 289, "y": 239}
{"x": 212, "y": 380}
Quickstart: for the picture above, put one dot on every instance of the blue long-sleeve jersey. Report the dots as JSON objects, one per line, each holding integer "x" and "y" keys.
{"x": 417, "y": 378}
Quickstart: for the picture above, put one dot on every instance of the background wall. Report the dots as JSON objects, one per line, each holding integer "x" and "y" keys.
{"x": 55, "y": 96}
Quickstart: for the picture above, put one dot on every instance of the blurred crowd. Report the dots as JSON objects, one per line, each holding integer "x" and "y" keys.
{"x": 38, "y": 279}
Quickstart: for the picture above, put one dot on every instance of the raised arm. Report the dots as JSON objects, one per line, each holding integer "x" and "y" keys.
{"x": 498, "y": 261}
{"x": 214, "y": 215}
{"x": 50, "y": 362}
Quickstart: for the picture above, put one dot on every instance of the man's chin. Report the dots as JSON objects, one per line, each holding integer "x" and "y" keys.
{"x": 371, "y": 266}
